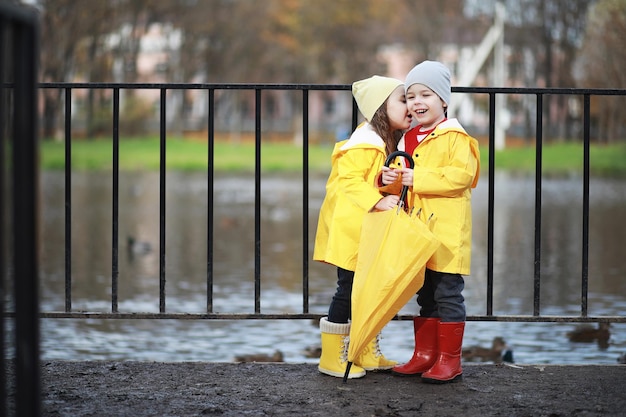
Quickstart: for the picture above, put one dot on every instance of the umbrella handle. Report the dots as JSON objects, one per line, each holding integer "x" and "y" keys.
{"x": 409, "y": 158}
{"x": 395, "y": 154}
{"x": 345, "y": 375}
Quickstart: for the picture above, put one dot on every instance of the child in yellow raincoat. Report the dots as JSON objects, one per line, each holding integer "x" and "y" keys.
{"x": 350, "y": 193}
{"x": 446, "y": 168}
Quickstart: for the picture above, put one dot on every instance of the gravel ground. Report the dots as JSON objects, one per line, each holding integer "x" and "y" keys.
{"x": 138, "y": 389}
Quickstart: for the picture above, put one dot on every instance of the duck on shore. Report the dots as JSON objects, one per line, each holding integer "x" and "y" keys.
{"x": 498, "y": 352}
{"x": 261, "y": 357}
{"x": 312, "y": 351}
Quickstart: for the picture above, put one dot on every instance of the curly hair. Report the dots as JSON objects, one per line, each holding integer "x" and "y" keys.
{"x": 380, "y": 124}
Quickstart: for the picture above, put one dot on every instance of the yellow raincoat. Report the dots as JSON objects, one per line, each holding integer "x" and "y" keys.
{"x": 350, "y": 194}
{"x": 447, "y": 167}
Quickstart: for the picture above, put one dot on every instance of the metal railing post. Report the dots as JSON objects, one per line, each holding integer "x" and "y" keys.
{"x": 25, "y": 213}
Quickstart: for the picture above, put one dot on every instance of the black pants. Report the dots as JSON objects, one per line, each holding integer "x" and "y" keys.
{"x": 441, "y": 296}
{"x": 340, "y": 307}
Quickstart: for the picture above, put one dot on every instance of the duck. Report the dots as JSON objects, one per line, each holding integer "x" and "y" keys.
{"x": 498, "y": 352}
{"x": 138, "y": 247}
{"x": 228, "y": 223}
{"x": 261, "y": 357}
{"x": 621, "y": 358}
{"x": 586, "y": 333}
{"x": 313, "y": 351}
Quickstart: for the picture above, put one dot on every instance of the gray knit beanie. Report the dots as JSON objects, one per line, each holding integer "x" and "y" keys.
{"x": 433, "y": 75}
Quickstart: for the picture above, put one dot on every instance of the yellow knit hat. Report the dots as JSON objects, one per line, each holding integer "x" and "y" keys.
{"x": 372, "y": 92}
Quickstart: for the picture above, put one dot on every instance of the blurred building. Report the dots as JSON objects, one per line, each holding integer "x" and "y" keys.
{"x": 329, "y": 112}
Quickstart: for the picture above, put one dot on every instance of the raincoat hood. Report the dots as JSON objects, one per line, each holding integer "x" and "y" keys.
{"x": 364, "y": 137}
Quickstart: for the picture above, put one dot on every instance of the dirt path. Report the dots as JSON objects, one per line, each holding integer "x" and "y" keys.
{"x": 278, "y": 389}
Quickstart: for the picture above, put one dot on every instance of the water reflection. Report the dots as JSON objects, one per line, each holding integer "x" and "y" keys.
{"x": 281, "y": 267}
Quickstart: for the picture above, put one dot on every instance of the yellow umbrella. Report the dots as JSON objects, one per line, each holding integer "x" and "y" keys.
{"x": 393, "y": 252}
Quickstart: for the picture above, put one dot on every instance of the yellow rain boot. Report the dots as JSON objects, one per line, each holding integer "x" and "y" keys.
{"x": 372, "y": 359}
{"x": 334, "y": 357}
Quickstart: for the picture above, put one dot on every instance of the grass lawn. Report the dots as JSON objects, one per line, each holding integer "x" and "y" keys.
{"x": 189, "y": 155}
{"x": 182, "y": 154}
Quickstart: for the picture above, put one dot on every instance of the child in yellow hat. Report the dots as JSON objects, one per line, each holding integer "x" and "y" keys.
{"x": 351, "y": 192}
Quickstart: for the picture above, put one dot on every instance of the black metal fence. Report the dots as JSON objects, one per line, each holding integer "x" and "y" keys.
{"x": 305, "y": 89}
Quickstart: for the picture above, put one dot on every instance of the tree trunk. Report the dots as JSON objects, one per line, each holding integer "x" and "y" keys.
{"x": 52, "y": 103}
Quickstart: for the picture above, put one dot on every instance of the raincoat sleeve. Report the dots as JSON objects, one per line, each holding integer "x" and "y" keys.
{"x": 458, "y": 170}
{"x": 393, "y": 188}
{"x": 353, "y": 169}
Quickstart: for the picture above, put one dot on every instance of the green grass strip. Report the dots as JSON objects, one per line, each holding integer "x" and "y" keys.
{"x": 138, "y": 154}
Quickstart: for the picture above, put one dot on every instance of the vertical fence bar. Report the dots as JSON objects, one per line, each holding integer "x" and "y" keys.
{"x": 490, "y": 207}
{"x": 4, "y": 233}
{"x": 115, "y": 215}
{"x": 305, "y": 200}
{"x": 585, "y": 246}
{"x": 68, "y": 199}
{"x": 355, "y": 114}
{"x": 162, "y": 167}
{"x": 538, "y": 190}
{"x": 257, "y": 201}
{"x": 210, "y": 211}
{"x": 25, "y": 214}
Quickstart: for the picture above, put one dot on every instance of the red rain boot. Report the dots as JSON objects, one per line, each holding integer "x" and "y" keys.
{"x": 426, "y": 352}
{"x": 447, "y": 368}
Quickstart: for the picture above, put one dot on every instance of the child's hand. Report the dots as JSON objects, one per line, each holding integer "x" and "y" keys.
{"x": 387, "y": 202}
{"x": 389, "y": 175}
{"x": 407, "y": 177}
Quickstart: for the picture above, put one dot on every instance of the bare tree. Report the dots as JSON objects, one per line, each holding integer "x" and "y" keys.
{"x": 548, "y": 33}
{"x": 564, "y": 24}
{"x": 326, "y": 41}
{"x": 602, "y": 60}
{"x": 63, "y": 26}
{"x": 425, "y": 26}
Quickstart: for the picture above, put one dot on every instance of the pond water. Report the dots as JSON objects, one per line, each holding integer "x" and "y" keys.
{"x": 281, "y": 268}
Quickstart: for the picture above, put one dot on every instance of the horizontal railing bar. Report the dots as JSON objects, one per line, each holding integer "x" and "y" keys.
{"x": 270, "y": 86}
{"x": 301, "y": 316}
{"x": 199, "y": 86}
{"x": 536, "y": 90}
